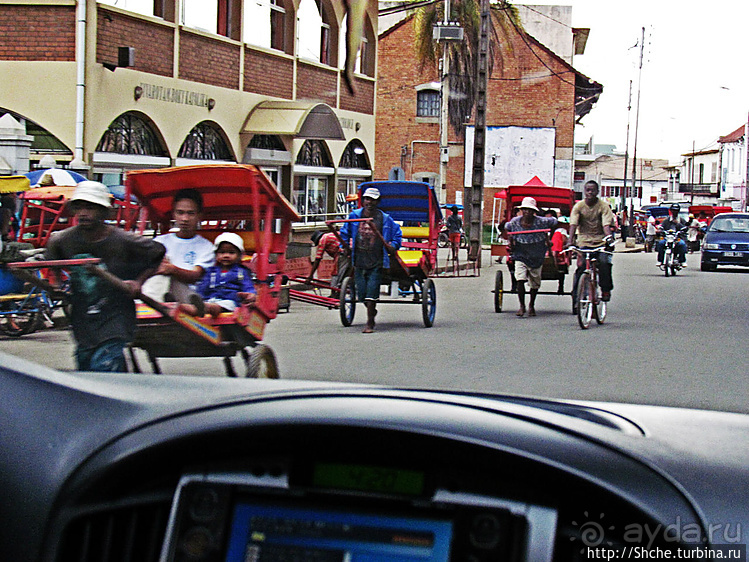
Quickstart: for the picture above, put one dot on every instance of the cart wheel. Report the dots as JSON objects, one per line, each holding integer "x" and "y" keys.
{"x": 262, "y": 363}
{"x": 428, "y": 302}
{"x": 347, "y": 304}
{"x": 20, "y": 322}
{"x": 498, "y": 292}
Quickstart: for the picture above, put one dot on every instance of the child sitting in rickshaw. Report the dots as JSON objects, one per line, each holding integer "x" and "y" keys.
{"x": 225, "y": 285}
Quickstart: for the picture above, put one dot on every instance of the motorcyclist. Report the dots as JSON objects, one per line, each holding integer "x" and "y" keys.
{"x": 672, "y": 222}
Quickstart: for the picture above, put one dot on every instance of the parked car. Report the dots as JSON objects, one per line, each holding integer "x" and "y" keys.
{"x": 726, "y": 241}
{"x": 105, "y": 466}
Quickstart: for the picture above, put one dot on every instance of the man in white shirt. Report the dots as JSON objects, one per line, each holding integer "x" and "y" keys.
{"x": 650, "y": 234}
{"x": 187, "y": 253}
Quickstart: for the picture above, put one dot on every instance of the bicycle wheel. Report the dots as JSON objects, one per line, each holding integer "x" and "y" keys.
{"x": 347, "y": 304}
{"x": 18, "y": 319}
{"x": 584, "y": 301}
{"x": 600, "y": 307}
{"x": 498, "y": 292}
{"x": 428, "y": 302}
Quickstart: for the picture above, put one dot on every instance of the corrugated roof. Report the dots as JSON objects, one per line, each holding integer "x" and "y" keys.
{"x": 734, "y": 136}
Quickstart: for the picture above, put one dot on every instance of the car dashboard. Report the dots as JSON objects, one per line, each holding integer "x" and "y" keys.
{"x": 165, "y": 468}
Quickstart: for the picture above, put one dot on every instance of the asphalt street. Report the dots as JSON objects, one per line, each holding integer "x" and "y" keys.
{"x": 669, "y": 341}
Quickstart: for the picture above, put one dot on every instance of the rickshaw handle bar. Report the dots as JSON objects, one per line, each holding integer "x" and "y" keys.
{"x": 53, "y": 263}
{"x": 528, "y": 231}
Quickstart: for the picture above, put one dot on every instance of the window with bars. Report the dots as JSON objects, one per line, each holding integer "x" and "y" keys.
{"x": 131, "y": 134}
{"x": 205, "y": 142}
{"x": 428, "y": 103}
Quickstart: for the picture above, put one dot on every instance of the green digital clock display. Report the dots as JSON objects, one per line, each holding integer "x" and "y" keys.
{"x": 368, "y": 478}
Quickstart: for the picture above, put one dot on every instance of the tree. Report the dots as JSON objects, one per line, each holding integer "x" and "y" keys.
{"x": 463, "y": 55}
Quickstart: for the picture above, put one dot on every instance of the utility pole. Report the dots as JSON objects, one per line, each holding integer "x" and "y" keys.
{"x": 626, "y": 148}
{"x": 444, "y": 33}
{"x": 691, "y": 180}
{"x": 444, "y": 112}
{"x": 637, "y": 115}
{"x": 476, "y": 193}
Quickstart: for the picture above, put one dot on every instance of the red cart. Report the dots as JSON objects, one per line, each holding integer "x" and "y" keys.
{"x": 237, "y": 198}
{"x": 559, "y": 199}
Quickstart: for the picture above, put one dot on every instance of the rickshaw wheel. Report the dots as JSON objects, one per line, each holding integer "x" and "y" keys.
{"x": 498, "y": 292}
{"x": 428, "y": 302}
{"x": 262, "y": 363}
{"x": 20, "y": 323}
{"x": 584, "y": 301}
{"x": 347, "y": 304}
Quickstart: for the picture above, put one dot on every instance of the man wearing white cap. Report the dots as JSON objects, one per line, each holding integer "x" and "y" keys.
{"x": 529, "y": 250}
{"x": 370, "y": 253}
{"x": 102, "y": 317}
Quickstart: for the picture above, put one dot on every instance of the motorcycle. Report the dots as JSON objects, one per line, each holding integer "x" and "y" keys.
{"x": 671, "y": 263}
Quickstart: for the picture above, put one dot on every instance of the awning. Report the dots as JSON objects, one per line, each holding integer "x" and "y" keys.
{"x": 301, "y": 119}
{"x": 14, "y": 184}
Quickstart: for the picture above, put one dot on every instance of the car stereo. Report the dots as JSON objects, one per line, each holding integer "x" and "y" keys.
{"x": 258, "y": 516}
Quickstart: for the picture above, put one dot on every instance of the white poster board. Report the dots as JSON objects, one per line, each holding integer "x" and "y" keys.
{"x": 513, "y": 155}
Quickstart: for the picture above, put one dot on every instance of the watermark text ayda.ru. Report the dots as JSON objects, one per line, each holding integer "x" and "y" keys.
{"x": 646, "y": 534}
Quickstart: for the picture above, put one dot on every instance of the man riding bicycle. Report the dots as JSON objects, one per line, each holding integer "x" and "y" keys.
{"x": 590, "y": 227}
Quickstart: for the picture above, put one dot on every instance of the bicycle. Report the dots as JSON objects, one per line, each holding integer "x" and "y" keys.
{"x": 588, "y": 302}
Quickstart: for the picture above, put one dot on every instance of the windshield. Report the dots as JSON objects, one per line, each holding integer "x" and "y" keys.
{"x": 726, "y": 224}
{"x": 580, "y": 98}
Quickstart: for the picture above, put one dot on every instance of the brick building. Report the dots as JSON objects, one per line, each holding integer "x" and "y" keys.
{"x": 173, "y": 82}
{"x": 534, "y": 98}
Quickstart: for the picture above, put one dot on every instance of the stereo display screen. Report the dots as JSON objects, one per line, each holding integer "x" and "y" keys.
{"x": 265, "y": 532}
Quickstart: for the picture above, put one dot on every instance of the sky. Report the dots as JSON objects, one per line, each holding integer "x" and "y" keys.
{"x": 693, "y": 88}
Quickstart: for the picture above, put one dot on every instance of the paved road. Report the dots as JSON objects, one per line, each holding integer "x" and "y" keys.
{"x": 675, "y": 341}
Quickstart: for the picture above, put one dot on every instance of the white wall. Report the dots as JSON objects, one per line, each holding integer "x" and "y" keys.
{"x": 514, "y": 155}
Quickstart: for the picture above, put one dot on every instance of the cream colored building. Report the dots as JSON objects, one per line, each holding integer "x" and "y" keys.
{"x": 175, "y": 82}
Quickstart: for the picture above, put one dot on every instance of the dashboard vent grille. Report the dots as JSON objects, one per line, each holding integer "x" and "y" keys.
{"x": 125, "y": 534}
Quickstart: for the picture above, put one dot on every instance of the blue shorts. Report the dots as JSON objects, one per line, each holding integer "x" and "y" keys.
{"x": 368, "y": 283}
{"x": 107, "y": 357}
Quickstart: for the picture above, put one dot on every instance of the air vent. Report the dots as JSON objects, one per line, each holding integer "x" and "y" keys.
{"x": 126, "y": 534}
{"x": 447, "y": 32}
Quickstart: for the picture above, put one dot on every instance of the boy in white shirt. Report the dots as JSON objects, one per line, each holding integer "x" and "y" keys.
{"x": 187, "y": 253}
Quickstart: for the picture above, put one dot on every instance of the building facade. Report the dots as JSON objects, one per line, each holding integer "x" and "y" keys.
{"x": 699, "y": 180}
{"x": 601, "y": 164}
{"x": 733, "y": 168}
{"x": 153, "y": 83}
{"x": 534, "y": 98}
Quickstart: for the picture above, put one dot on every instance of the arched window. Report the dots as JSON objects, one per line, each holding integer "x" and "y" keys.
{"x": 267, "y": 142}
{"x": 206, "y": 141}
{"x": 132, "y": 133}
{"x": 314, "y": 152}
{"x": 354, "y": 156}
